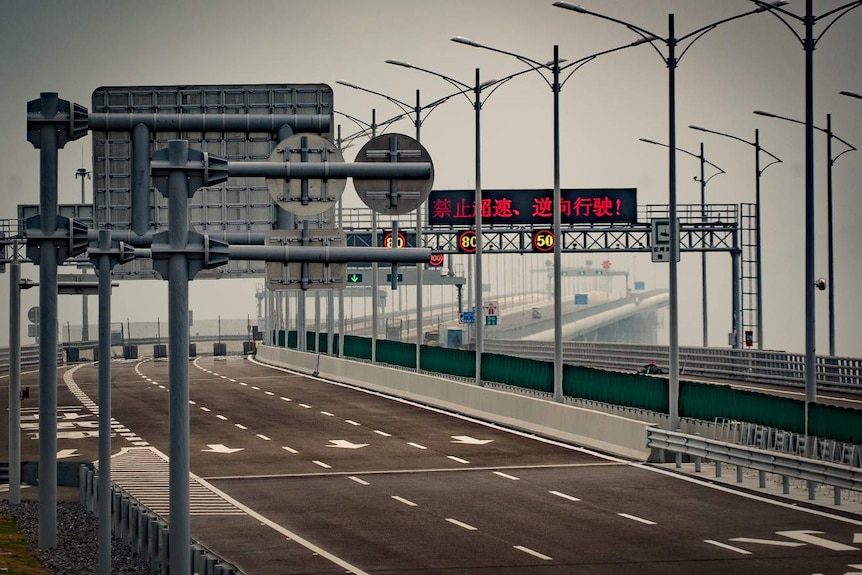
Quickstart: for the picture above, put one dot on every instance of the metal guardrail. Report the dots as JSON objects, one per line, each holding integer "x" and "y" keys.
{"x": 756, "y": 366}
{"x": 793, "y": 466}
{"x": 144, "y": 531}
{"x": 29, "y": 357}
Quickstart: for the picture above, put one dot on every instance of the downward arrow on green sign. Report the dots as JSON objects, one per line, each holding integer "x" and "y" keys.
{"x": 354, "y": 278}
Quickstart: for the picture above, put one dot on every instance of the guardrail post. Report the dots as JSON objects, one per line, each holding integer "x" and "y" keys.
{"x": 785, "y": 484}
{"x": 837, "y": 495}
{"x": 677, "y": 460}
{"x": 812, "y": 490}
{"x": 124, "y": 519}
{"x": 739, "y": 474}
{"x": 164, "y": 549}
{"x": 697, "y": 461}
{"x": 116, "y": 498}
{"x": 718, "y": 468}
{"x": 761, "y": 477}
{"x": 153, "y": 542}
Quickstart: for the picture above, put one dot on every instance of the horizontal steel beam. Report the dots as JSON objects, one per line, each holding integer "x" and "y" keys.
{"x": 160, "y": 122}
{"x": 328, "y": 255}
{"x": 330, "y": 170}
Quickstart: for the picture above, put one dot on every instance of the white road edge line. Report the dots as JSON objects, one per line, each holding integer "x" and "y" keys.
{"x": 529, "y": 551}
{"x": 405, "y": 501}
{"x": 726, "y": 546}
{"x": 287, "y": 533}
{"x": 461, "y": 524}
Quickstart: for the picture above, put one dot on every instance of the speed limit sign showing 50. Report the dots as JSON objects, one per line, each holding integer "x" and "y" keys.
{"x": 467, "y": 242}
{"x": 543, "y": 241}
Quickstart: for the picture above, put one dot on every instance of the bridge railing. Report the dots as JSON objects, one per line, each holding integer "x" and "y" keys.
{"x": 727, "y": 364}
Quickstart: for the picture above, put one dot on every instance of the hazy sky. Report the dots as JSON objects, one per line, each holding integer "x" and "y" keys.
{"x": 755, "y": 63}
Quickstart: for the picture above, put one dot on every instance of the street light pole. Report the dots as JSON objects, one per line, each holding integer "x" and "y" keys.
{"x": 830, "y": 135}
{"x": 671, "y": 61}
{"x": 758, "y": 171}
{"x": 851, "y": 94}
{"x": 703, "y": 181}
{"x": 808, "y": 44}
{"x": 556, "y": 86}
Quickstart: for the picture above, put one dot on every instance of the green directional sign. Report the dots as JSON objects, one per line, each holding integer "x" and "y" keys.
{"x": 490, "y": 320}
{"x": 354, "y": 278}
{"x": 600, "y": 272}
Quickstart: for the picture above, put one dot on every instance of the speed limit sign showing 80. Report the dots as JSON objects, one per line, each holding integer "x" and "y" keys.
{"x": 467, "y": 242}
{"x": 543, "y": 241}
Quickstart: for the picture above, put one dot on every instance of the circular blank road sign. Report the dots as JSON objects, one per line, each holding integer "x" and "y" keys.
{"x": 322, "y": 194}
{"x": 409, "y": 193}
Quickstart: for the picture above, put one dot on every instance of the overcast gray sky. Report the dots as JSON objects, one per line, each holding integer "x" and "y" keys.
{"x": 755, "y": 63}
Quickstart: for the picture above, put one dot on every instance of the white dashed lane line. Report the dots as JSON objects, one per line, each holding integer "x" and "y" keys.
{"x": 383, "y": 433}
{"x": 240, "y": 426}
{"x": 506, "y": 476}
{"x": 404, "y": 501}
{"x": 458, "y": 459}
{"x": 563, "y": 495}
{"x": 357, "y": 480}
{"x": 262, "y": 436}
{"x": 638, "y": 519}
{"x": 322, "y": 464}
{"x": 461, "y": 524}
{"x": 222, "y": 417}
{"x": 416, "y": 445}
{"x": 351, "y": 422}
{"x": 289, "y": 449}
{"x": 529, "y": 551}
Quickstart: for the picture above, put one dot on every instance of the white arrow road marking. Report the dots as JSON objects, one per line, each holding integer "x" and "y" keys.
{"x": 75, "y": 415}
{"x": 64, "y": 453}
{"x": 767, "y": 542}
{"x": 857, "y": 566}
{"x": 811, "y": 537}
{"x": 466, "y": 439}
{"x": 726, "y": 546}
{"x": 533, "y": 553}
{"x": 220, "y": 448}
{"x": 344, "y": 444}
{"x": 857, "y": 538}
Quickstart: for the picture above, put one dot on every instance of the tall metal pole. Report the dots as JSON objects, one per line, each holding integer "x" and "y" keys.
{"x": 480, "y": 315}
{"x": 810, "y": 333}
{"x": 375, "y": 281}
{"x": 558, "y": 239}
{"x": 673, "y": 379}
{"x": 830, "y": 249}
{"x": 757, "y": 250}
{"x": 703, "y": 253}
{"x": 104, "y": 488}
{"x": 419, "y": 267}
{"x": 15, "y": 378}
{"x": 85, "y": 308}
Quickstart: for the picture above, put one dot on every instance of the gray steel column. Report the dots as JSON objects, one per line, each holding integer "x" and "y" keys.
{"x": 375, "y": 281}
{"x": 479, "y": 315}
{"x": 810, "y": 312}
{"x": 48, "y": 147}
{"x": 736, "y": 255}
{"x": 558, "y": 258}
{"x": 330, "y": 323}
{"x": 104, "y": 500}
{"x": 15, "y": 378}
{"x": 178, "y": 360}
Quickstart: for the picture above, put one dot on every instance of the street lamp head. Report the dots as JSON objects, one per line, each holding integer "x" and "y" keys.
{"x": 399, "y": 63}
{"x": 648, "y": 141}
{"x": 763, "y": 113}
{"x": 348, "y": 84}
{"x": 851, "y": 94}
{"x": 775, "y": 4}
{"x": 698, "y": 128}
{"x": 570, "y": 6}
{"x": 466, "y": 41}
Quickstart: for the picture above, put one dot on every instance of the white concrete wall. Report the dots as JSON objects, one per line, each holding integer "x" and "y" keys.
{"x": 605, "y": 432}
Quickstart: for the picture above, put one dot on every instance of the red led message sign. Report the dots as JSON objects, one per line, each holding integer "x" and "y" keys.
{"x": 535, "y": 207}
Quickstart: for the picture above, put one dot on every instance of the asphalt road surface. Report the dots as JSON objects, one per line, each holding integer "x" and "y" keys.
{"x": 294, "y": 474}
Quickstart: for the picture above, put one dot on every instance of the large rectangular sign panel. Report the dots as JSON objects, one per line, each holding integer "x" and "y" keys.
{"x": 533, "y": 207}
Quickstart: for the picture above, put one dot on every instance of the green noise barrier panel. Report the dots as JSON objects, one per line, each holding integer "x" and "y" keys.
{"x": 357, "y": 347}
{"x": 627, "y": 389}
{"x": 396, "y": 353}
{"x": 457, "y": 362}
{"x": 518, "y": 371}
{"x": 705, "y": 401}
